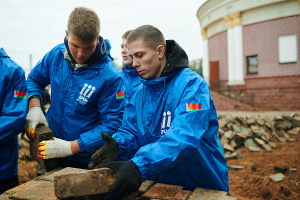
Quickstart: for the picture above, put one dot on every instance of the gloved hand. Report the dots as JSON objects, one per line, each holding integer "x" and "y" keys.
{"x": 56, "y": 148}
{"x": 107, "y": 153}
{"x": 34, "y": 117}
{"x": 128, "y": 179}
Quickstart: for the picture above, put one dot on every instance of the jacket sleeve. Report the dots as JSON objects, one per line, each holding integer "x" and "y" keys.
{"x": 111, "y": 113}
{"x": 184, "y": 136}
{"x": 39, "y": 77}
{"x": 14, "y": 109}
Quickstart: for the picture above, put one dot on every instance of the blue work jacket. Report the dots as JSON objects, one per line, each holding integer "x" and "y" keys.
{"x": 13, "y": 111}
{"x": 168, "y": 140}
{"x": 84, "y": 102}
{"x": 131, "y": 80}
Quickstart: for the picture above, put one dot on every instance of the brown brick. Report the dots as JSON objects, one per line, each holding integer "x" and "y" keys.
{"x": 42, "y": 133}
{"x": 88, "y": 182}
{"x": 162, "y": 191}
{"x": 38, "y": 190}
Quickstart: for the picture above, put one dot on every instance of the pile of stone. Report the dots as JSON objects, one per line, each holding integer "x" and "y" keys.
{"x": 256, "y": 132}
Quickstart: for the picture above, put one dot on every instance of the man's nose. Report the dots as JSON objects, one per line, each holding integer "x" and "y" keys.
{"x": 135, "y": 64}
{"x": 80, "y": 52}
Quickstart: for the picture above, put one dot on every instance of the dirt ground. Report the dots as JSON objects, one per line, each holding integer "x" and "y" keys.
{"x": 251, "y": 183}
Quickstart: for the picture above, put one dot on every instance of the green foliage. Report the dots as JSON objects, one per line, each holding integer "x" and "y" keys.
{"x": 196, "y": 66}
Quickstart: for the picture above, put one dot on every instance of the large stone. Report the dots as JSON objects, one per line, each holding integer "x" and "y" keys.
{"x": 233, "y": 144}
{"x": 266, "y": 147}
{"x": 253, "y": 149}
{"x": 42, "y": 133}
{"x": 221, "y": 132}
{"x": 240, "y": 120}
{"x": 222, "y": 122}
{"x": 287, "y": 117}
{"x": 260, "y": 122}
{"x": 294, "y": 131}
{"x": 259, "y": 141}
{"x": 224, "y": 140}
{"x": 229, "y": 135}
{"x": 250, "y": 122}
{"x": 230, "y": 156}
{"x": 228, "y": 147}
{"x": 277, "y": 177}
{"x": 228, "y": 118}
{"x": 245, "y": 130}
{"x": 236, "y": 128}
{"x": 249, "y": 142}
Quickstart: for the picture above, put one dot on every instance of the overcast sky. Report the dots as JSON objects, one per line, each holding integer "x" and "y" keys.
{"x": 36, "y": 26}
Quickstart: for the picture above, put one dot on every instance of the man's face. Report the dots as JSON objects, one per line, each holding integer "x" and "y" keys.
{"x": 145, "y": 60}
{"x": 127, "y": 60}
{"x": 81, "y": 51}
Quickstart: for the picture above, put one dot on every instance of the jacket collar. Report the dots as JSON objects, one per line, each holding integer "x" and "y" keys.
{"x": 101, "y": 50}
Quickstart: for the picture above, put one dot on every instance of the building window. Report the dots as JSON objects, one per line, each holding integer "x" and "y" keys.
{"x": 287, "y": 47}
{"x": 252, "y": 64}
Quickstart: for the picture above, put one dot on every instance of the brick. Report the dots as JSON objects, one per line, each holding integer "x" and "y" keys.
{"x": 162, "y": 191}
{"x": 146, "y": 185}
{"x": 42, "y": 133}
{"x": 49, "y": 176}
{"x": 201, "y": 193}
{"x": 88, "y": 182}
{"x": 38, "y": 190}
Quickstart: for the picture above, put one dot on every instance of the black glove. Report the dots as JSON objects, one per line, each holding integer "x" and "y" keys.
{"x": 107, "y": 153}
{"x": 128, "y": 179}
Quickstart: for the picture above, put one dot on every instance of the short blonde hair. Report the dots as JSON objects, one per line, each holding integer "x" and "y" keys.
{"x": 84, "y": 23}
{"x": 151, "y": 36}
{"x": 125, "y": 35}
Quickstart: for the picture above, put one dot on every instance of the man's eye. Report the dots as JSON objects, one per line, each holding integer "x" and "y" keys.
{"x": 139, "y": 56}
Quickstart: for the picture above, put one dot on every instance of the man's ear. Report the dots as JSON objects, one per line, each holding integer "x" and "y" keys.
{"x": 67, "y": 34}
{"x": 161, "y": 51}
{"x": 97, "y": 40}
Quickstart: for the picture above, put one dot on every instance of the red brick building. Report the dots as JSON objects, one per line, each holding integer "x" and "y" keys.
{"x": 252, "y": 51}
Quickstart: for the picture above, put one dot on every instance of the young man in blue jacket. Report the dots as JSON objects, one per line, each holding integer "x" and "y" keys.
{"x": 85, "y": 93}
{"x": 130, "y": 77}
{"x": 13, "y": 110}
{"x": 170, "y": 126}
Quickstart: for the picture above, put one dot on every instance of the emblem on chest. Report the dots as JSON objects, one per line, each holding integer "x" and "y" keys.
{"x": 85, "y": 93}
{"x": 166, "y": 122}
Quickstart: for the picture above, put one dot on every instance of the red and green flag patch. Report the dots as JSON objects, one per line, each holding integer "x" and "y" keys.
{"x": 120, "y": 95}
{"x": 193, "y": 107}
{"x": 20, "y": 94}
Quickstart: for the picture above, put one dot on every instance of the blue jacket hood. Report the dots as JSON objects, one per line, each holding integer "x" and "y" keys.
{"x": 177, "y": 59}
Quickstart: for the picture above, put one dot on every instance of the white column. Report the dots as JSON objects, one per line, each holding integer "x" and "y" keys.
{"x": 205, "y": 63}
{"x": 235, "y": 49}
{"x": 231, "y": 56}
{"x": 205, "y": 60}
{"x": 238, "y": 49}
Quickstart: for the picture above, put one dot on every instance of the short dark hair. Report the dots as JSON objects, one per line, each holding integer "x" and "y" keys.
{"x": 151, "y": 35}
{"x": 125, "y": 35}
{"x": 84, "y": 23}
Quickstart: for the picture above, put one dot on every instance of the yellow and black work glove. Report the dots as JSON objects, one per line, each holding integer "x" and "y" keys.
{"x": 56, "y": 148}
{"x": 34, "y": 117}
{"x": 128, "y": 179}
{"x": 107, "y": 153}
